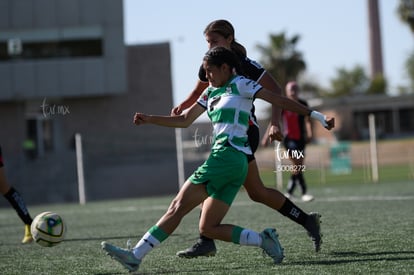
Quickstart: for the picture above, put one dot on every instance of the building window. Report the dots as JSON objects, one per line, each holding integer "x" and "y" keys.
{"x": 39, "y": 137}
{"x": 406, "y": 120}
{"x": 53, "y": 49}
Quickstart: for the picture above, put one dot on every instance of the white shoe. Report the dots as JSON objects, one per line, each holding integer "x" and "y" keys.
{"x": 307, "y": 198}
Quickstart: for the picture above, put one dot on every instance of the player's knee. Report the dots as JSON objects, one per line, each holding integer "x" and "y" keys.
{"x": 256, "y": 194}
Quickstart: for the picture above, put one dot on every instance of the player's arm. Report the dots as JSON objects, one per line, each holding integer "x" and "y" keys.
{"x": 291, "y": 105}
{"x": 180, "y": 121}
{"x": 273, "y": 131}
{"x": 191, "y": 99}
{"x": 308, "y": 127}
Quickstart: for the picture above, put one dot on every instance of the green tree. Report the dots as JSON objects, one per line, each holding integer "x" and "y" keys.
{"x": 409, "y": 66}
{"x": 405, "y": 11}
{"x": 349, "y": 82}
{"x": 378, "y": 85}
{"x": 281, "y": 58}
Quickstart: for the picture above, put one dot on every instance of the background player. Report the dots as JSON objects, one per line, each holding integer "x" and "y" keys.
{"x": 298, "y": 132}
{"x": 16, "y": 200}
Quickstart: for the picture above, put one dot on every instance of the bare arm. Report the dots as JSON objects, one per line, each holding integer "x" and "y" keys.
{"x": 291, "y": 105}
{"x": 269, "y": 83}
{"x": 308, "y": 127}
{"x": 180, "y": 121}
{"x": 273, "y": 131}
{"x": 191, "y": 99}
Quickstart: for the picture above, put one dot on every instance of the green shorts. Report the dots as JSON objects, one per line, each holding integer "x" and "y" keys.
{"x": 223, "y": 173}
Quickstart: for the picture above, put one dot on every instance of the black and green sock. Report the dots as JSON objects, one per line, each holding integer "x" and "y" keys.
{"x": 16, "y": 200}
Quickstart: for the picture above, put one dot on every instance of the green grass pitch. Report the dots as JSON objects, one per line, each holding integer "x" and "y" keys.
{"x": 368, "y": 229}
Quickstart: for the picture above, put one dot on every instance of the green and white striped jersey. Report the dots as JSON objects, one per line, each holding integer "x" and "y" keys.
{"x": 229, "y": 109}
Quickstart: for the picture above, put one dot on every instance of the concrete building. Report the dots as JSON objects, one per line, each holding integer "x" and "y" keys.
{"x": 394, "y": 116}
{"x": 64, "y": 69}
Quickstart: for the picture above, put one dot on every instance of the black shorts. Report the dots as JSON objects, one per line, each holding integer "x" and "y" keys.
{"x": 294, "y": 145}
{"x": 253, "y": 136}
{"x": 1, "y": 159}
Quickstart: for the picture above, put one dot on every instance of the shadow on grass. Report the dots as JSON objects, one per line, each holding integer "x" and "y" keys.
{"x": 184, "y": 271}
{"x": 107, "y": 238}
{"x": 355, "y": 257}
{"x": 100, "y": 238}
{"x": 67, "y": 240}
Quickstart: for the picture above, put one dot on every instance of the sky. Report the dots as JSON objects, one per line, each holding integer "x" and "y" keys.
{"x": 333, "y": 34}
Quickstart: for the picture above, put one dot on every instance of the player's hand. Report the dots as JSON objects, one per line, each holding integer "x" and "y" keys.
{"x": 275, "y": 133}
{"x": 327, "y": 122}
{"x": 140, "y": 119}
{"x": 176, "y": 111}
{"x": 330, "y": 121}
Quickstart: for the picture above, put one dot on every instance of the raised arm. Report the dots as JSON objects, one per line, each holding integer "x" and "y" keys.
{"x": 191, "y": 99}
{"x": 181, "y": 121}
{"x": 291, "y": 105}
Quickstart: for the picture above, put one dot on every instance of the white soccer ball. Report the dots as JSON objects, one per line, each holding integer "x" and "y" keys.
{"x": 48, "y": 229}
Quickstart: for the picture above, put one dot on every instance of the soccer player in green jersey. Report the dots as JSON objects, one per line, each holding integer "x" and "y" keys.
{"x": 228, "y": 101}
{"x": 222, "y": 33}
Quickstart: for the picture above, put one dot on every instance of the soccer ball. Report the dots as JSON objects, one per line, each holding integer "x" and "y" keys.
{"x": 48, "y": 229}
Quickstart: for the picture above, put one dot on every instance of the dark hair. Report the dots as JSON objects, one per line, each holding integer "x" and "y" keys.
{"x": 225, "y": 29}
{"x": 218, "y": 56}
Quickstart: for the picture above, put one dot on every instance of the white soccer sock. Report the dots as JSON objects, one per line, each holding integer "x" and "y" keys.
{"x": 250, "y": 238}
{"x": 145, "y": 245}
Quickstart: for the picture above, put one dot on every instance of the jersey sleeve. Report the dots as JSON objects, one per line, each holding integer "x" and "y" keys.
{"x": 251, "y": 69}
{"x": 202, "y": 100}
{"x": 247, "y": 87}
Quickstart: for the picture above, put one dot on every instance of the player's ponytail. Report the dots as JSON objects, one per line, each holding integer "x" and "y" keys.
{"x": 238, "y": 48}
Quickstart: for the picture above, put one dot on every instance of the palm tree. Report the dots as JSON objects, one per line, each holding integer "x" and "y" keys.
{"x": 281, "y": 59}
{"x": 405, "y": 11}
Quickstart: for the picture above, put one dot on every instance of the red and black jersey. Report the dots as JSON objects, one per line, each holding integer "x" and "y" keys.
{"x": 294, "y": 124}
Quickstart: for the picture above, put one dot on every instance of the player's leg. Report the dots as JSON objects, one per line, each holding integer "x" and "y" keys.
{"x": 291, "y": 186}
{"x": 204, "y": 246}
{"x": 298, "y": 161}
{"x": 189, "y": 197}
{"x": 271, "y": 197}
{"x": 276, "y": 200}
{"x": 210, "y": 225}
{"x": 301, "y": 181}
{"x": 223, "y": 173}
{"x": 17, "y": 202}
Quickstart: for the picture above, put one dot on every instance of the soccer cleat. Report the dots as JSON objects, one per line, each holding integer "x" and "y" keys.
{"x": 307, "y": 198}
{"x": 202, "y": 247}
{"x": 271, "y": 245}
{"x": 313, "y": 225}
{"x": 123, "y": 256}
{"x": 27, "y": 235}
